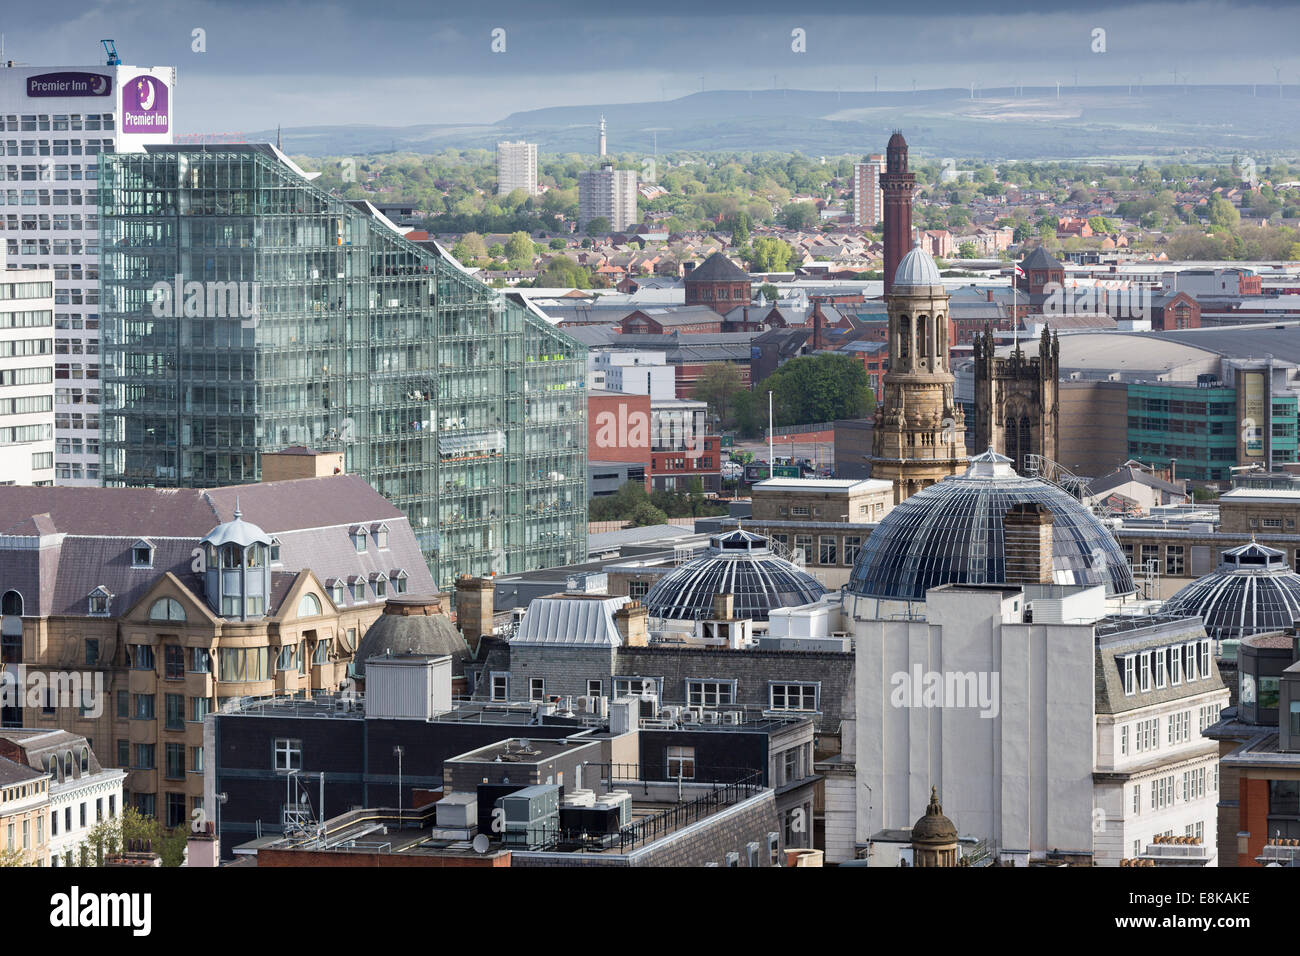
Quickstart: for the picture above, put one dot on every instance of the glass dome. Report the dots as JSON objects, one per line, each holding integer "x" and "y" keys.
{"x": 739, "y": 563}
{"x": 1252, "y": 590}
{"x": 951, "y": 533}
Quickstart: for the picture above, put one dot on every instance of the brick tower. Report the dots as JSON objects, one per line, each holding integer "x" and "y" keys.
{"x": 897, "y": 186}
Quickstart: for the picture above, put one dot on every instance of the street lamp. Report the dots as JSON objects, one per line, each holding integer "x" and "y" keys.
{"x": 397, "y": 752}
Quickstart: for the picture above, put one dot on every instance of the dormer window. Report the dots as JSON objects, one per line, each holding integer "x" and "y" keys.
{"x": 398, "y": 578}
{"x": 381, "y": 536}
{"x": 380, "y": 584}
{"x": 336, "y": 593}
{"x": 99, "y": 601}
{"x": 142, "y": 554}
{"x": 359, "y": 540}
{"x": 275, "y": 550}
{"x": 358, "y": 589}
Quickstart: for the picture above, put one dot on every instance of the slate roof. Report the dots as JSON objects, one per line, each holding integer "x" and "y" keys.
{"x": 12, "y": 772}
{"x": 1147, "y": 634}
{"x": 717, "y": 268}
{"x": 1040, "y": 259}
{"x": 87, "y": 535}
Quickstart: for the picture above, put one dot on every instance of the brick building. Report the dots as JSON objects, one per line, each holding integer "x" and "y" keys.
{"x": 718, "y": 283}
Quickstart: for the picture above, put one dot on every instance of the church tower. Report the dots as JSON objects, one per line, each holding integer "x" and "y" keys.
{"x": 1017, "y": 400}
{"x": 919, "y": 434}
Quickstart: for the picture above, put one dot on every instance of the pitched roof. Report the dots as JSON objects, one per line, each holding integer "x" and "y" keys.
{"x": 571, "y": 619}
{"x": 1040, "y": 259}
{"x": 717, "y": 268}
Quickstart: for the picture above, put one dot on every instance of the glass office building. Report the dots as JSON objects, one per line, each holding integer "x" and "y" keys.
{"x": 245, "y": 310}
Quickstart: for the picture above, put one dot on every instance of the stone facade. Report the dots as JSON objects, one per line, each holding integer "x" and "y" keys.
{"x": 1017, "y": 401}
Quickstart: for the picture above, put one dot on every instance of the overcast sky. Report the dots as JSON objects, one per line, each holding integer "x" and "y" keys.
{"x": 401, "y": 62}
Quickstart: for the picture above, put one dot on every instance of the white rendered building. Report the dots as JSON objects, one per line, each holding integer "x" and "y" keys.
{"x": 26, "y": 376}
{"x": 54, "y": 123}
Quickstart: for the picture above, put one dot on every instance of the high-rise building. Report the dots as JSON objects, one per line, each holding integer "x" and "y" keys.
{"x": 57, "y": 121}
{"x": 247, "y": 310}
{"x": 516, "y": 168}
{"x": 601, "y": 144}
{"x": 607, "y": 193}
{"x": 868, "y": 201}
{"x": 919, "y": 434}
{"x": 896, "y": 186}
{"x": 26, "y": 376}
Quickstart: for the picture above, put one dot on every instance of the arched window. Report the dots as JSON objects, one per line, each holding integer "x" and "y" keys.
{"x": 309, "y": 606}
{"x": 923, "y": 337}
{"x": 167, "y": 609}
{"x": 85, "y": 760}
{"x": 67, "y": 767}
{"x": 904, "y": 337}
{"x": 11, "y": 604}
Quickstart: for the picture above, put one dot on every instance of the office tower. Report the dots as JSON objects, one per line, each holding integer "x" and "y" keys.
{"x": 897, "y": 186}
{"x": 26, "y": 376}
{"x": 262, "y": 313}
{"x": 609, "y": 193}
{"x": 868, "y": 203}
{"x": 56, "y": 123}
{"x": 516, "y": 168}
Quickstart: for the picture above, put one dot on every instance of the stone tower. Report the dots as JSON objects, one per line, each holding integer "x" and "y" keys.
{"x": 1017, "y": 399}
{"x": 896, "y": 186}
{"x": 919, "y": 434}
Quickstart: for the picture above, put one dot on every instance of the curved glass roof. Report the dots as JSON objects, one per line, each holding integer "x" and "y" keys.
{"x": 951, "y": 533}
{"x": 740, "y": 563}
{"x": 1251, "y": 591}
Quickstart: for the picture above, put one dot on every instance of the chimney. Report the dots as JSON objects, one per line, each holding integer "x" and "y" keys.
{"x": 1027, "y": 535}
{"x": 300, "y": 462}
{"x": 724, "y": 606}
{"x": 474, "y": 609}
{"x": 988, "y": 294}
{"x": 203, "y": 848}
{"x": 631, "y": 620}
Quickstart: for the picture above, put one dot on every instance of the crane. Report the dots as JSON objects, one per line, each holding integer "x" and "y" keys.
{"x": 111, "y": 49}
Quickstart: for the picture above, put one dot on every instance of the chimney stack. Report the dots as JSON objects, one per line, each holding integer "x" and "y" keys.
{"x": 474, "y": 609}
{"x": 1027, "y": 536}
{"x": 632, "y": 621}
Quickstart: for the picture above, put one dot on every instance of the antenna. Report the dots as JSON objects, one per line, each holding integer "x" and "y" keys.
{"x": 111, "y": 49}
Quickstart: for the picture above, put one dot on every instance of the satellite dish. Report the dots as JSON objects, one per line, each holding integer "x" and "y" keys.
{"x": 481, "y": 843}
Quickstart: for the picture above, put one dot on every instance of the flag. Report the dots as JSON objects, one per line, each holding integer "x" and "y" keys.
{"x": 1020, "y": 273}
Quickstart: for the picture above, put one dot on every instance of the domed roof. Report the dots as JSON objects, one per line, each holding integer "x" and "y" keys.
{"x": 412, "y": 624}
{"x": 934, "y": 827}
{"x": 237, "y": 531}
{"x": 951, "y": 533}
{"x": 1252, "y": 590}
{"x": 736, "y": 562}
{"x": 917, "y": 269}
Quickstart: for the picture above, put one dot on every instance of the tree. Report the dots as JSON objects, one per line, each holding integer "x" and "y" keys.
{"x": 647, "y": 514}
{"x": 598, "y": 226}
{"x": 716, "y": 385}
{"x": 768, "y": 255}
{"x": 1223, "y": 213}
{"x": 769, "y": 291}
{"x": 738, "y": 226}
{"x": 470, "y": 249}
{"x": 557, "y": 243}
{"x": 520, "y": 249}
{"x": 799, "y": 215}
{"x": 818, "y": 388}
{"x": 967, "y": 250}
{"x": 496, "y": 251}
{"x": 111, "y": 834}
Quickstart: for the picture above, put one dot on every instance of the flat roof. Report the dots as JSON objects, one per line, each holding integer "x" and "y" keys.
{"x": 822, "y": 484}
{"x": 528, "y": 750}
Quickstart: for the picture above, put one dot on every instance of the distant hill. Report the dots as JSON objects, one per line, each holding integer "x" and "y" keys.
{"x": 1198, "y": 122}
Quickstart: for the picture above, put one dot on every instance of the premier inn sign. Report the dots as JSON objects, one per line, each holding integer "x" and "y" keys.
{"x": 69, "y": 84}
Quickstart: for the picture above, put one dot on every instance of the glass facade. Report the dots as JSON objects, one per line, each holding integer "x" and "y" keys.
{"x": 1197, "y": 426}
{"x": 246, "y": 311}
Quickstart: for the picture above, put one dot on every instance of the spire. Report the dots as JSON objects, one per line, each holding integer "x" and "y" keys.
{"x": 238, "y": 513}
{"x": 279, "y": 143}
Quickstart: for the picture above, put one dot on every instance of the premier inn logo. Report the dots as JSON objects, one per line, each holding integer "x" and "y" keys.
{"x": 69, "y": 84}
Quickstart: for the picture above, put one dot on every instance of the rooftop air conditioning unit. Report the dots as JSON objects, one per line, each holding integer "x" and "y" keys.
{"x": 670, "y": 713}
{"x": 733, "y": 717}
{"x": 710, "y": 717}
